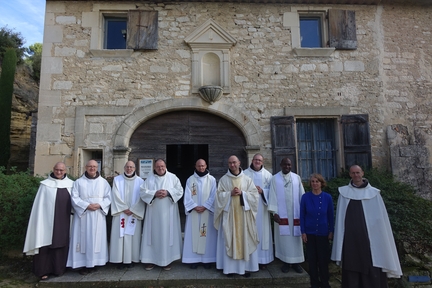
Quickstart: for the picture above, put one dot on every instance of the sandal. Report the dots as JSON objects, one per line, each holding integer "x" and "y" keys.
{"x": 44, "y": 277}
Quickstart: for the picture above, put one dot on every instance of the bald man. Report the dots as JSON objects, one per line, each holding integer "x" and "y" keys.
{"x": 127, "y": 210}
{"x": 48, "y": 228}
{"x": 91, "y": 199}
{"x": 200, "y": 235}
{"x": 236, "y": 209}
{"x": 363, "y": 239}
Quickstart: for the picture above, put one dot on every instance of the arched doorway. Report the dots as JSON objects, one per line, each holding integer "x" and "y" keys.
{"x": 182, "y": 137}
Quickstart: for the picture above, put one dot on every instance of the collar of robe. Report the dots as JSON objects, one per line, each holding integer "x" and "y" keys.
{"x": 53, "y": 176}
{"x": 240, "y": 170}
{"x": 89, "y": 177}
{"x": 363, "y": 185}
{"x": 201, "y": 174}
{"x": 252, "y": 167}
{"x": 129, "y": 176}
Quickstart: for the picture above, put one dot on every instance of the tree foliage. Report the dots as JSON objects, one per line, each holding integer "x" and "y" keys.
{"x": 6, "y": 90}
{"x": 16, "y": 199}
{"x": 11, "y": 39}
{"x": 34, "y": 59}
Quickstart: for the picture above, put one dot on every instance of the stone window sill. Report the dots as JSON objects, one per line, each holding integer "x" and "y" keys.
{"x": 313, "y": 52}
{"x": 111, "y": 52}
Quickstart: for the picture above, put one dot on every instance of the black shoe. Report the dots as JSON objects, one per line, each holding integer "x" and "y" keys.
{"x": 285, "y": 268}
{"x": 193, "y": 266}
{"x": 297, "y": 268}
{"x": 230, "y": 275}
{"x": 246, "y": 275}
{"x": 129, "y": 265}
{"x": 207, "y": 265}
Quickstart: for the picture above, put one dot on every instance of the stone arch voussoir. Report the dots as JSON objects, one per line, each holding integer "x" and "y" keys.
{"x": 227, "y": 111}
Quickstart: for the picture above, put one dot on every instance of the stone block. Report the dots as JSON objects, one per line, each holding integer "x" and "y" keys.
{"x": 291, "y": 19}
{"x": 354, "y": 66}
{"x": 55, "y": 7}
{"x": 50, "y": 98}
{"x": 69, "y": 126}
{"x": 53, "y": 34}
{"x": 66, "y": 20}
{"x": 48, "y": 132}
{"x": 45, "y": 81}
{"x": 60, "y": 149}
{"x": 90, "y": 19}
{"x": 52, "y": 65}
{"x": 64, "y": 51}
{"x": 62, "y": 85}
{"x": 49, "y": 19}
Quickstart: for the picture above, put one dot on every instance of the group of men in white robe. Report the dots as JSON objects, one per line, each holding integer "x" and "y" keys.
{"x": 228, "y": 223}
{"x": 241, "y": 210}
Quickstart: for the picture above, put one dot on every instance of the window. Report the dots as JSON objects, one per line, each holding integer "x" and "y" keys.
{"x": 317, "y": 33}
{"x": 316, "y": 147}
{"x": 136, "y": 29}
{"x": 115, "y": 29}
{"x": 313, "y": 144}
{"x": 312, "y": 33}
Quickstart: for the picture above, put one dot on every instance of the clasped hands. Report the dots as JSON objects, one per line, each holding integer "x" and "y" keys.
{"x": 93, "y": 207}
{"x": 236, "y": 192}
{"x": 200, "y": 209}
{"x": 162, "y": 193}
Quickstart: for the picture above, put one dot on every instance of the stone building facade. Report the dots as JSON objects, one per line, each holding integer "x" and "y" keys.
{"x": 141, "y": 102}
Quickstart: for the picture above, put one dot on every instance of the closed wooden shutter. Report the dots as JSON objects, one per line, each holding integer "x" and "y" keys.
{"x": 142, "y": 32}
{"x": 356, "y": 140}
{"x": 283, "y": 141}
{"x": 342, "y": 29}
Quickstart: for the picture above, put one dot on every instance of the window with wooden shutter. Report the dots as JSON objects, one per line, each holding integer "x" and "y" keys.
{"x": 356, "y": 140}
{"x": 342, "y": 29}
{"x": 283, "y": 141}
{"x": 142, "y": 30}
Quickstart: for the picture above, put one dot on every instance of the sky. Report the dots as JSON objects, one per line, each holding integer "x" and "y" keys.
{"x": 24, "y": 16}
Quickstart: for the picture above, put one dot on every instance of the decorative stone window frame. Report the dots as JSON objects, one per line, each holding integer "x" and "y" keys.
{"x": 210, "y": 37}
{"x": 292, "y": 20}
{"x": 339, "y": 30}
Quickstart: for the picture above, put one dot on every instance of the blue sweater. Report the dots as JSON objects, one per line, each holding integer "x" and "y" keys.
{"x": 316, "y": 214}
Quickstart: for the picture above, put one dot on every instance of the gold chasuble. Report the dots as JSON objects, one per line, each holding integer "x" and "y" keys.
{"x": 238, "y": 223}
{"x": 237, "y": 215}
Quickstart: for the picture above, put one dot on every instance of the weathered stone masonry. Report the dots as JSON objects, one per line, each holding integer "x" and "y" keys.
{"x": 92, "y": 101}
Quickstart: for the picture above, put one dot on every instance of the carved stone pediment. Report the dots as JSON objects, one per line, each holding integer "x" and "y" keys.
{"x": 210, "y": 45}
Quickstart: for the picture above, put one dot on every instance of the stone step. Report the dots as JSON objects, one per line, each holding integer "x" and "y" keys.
{"x": 179, "y": 276}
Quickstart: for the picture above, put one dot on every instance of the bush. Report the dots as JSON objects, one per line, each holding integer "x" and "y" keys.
{"x": 17, "y": 193}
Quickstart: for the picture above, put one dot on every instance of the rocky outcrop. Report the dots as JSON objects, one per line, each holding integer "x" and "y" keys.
{"x": 24, "y": 101}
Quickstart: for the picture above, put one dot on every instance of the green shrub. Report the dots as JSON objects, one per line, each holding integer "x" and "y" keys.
{"x": 17, "y": 192}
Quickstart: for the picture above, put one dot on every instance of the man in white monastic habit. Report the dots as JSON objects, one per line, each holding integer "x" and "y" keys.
{"x": 161, "y": 241}
{"x": 127, "y": 210}
{"x": 48, "y": 228}
{"x": 236, "y": 209}
{"x": 200, "y": 235}
{"x": 363, "y": 240}
{"x": 261, "y": 178}
{"x": 286, "y": 190}
{"x": 91, "y": 199}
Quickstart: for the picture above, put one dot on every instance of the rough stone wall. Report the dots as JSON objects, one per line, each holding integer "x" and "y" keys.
{"x": 407, "y": 78}
{"x": 387, "y": 77}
